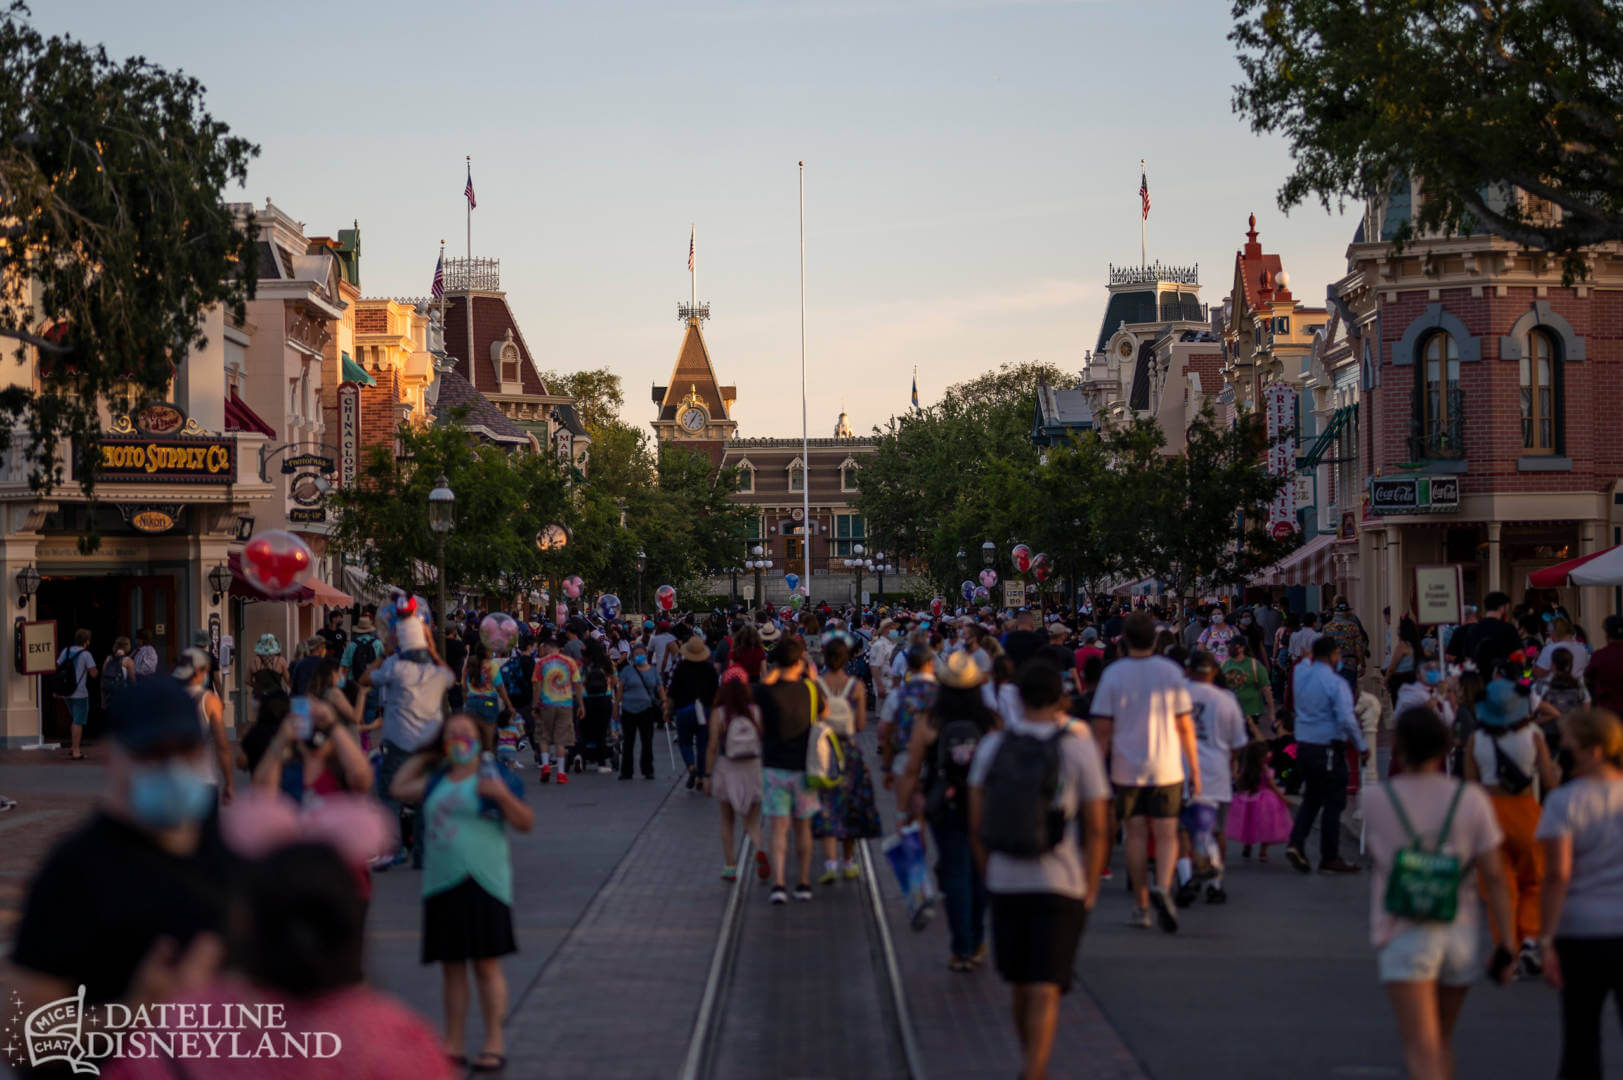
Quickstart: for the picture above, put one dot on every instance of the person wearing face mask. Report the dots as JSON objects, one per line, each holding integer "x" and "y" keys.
{"x": 131, "y": 904}
{"x": 642, "y": 699}
{"x": 1427, "y": 691}
{"x": 468, "y": 802}
{"x": 1216, "y": 637}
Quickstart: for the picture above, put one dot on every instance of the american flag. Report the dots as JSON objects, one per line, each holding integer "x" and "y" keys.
{"x": 1144, "y": 193}
{"x": 690, "y": 250}
{"x": 467, "y": 190}
{"x": 916, "y": 391}
{"x": 437, "y": 289}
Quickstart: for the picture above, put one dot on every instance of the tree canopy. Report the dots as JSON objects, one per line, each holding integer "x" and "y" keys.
{"x": 114, "y": 239}
{"x": 1474, "y": 98}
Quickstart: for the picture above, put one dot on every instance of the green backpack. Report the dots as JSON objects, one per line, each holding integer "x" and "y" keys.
{"x": 1424, "y": 885}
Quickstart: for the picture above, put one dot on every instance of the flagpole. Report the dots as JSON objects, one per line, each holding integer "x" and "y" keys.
{"x": 693, "y": 271}
{"x": 470, "y": 230}
{"x": 1143, "y": 260}
{"x": 807, "y": 530}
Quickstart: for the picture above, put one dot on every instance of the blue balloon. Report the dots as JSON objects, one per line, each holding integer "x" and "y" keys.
{"x": 792, "y": 580}
{"x": 968, "y": 589}
{"x": 608, "y": 605}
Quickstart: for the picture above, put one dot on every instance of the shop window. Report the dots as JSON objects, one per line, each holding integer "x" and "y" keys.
{"x": 1538, "y": 394}
{"x": 849, "y": 529}
{"x": 1440, "y": 415}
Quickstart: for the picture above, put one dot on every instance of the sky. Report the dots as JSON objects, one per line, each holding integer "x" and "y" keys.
{"x": 972, "y": 167}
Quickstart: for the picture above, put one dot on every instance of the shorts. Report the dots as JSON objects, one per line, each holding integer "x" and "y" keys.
{"x": 1448, "y": 953}
{"x": 1165, "y": 801}
{"x": 555, "y": 725}
{"x": 1035, "y": 937}
{"x": 783, "y": 790}
{"x": 79, "y": 710}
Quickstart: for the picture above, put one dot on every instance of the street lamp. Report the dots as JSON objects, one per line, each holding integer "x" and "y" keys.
{"x": 642, "y": 564}
{"x": 881, "y": 567}
{"x": 442, "y": 519}
{"x": 220, "y": 579}
{"x": 989, "y": 553}
{"x": 27, "y": 585}
{"x": 963, "y": 561}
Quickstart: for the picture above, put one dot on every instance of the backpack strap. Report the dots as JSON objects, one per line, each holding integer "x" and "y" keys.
{"x": 1403, "y": 818}
{"x": 1448, "y": 820}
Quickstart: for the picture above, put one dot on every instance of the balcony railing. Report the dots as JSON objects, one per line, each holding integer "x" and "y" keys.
{"x": 1435, "y": 438}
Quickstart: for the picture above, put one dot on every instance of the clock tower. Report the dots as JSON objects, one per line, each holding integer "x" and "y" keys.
{"x": 694, "y": 408}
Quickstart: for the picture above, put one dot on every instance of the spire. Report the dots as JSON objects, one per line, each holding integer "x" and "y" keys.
{"x": 842, "y": 429}
{"x": 1252, "y": 248}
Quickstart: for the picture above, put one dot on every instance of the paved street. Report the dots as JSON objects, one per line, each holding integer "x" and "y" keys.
{"x": 619, "y": 907}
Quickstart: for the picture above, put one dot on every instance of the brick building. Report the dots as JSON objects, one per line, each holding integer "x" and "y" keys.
{"x": 1491, "y": 391}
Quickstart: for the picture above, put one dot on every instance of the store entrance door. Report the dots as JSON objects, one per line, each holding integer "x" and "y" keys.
{"x": 149, "y": 602}
{"x": 110, "y": 608}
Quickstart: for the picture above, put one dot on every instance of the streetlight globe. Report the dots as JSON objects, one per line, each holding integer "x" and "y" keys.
{"x": 989, "y": 553}
{"x": 441, "y": 506}
{"x": 856, "y": 549}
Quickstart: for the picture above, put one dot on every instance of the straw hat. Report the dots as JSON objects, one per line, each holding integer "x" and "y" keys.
{"x": 960, "y": 671}
{"x": 694, "y": 648}
{"x": 770, "y": 634}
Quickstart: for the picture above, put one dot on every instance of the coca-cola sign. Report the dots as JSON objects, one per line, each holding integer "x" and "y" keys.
{"x": 1414, "y": 494}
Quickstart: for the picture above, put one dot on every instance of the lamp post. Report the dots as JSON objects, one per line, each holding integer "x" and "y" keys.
{"x": 27, "y": 585}
{"x": 642, "y": 564}
{"x": 858, "y": 564}
{"x": 989, "y": 554}
{"x": 758, "y": 564}
{"x": 220, "y": 579}
{"x": 441, "y": 518}
{"x": 880, "y": 567}
{"x": 963, "y": 561}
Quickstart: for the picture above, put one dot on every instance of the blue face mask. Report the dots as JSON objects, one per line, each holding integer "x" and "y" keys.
{"x": 1431, "y": 676}
{"x": 639, "y": 659}
{"x": 168, "y": 795}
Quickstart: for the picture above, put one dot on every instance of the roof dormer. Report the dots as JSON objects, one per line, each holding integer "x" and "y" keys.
{"x": 508, "y": 364}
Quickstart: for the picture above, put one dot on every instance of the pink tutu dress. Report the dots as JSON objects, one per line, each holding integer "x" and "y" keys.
{"x": 1259, "y": 817}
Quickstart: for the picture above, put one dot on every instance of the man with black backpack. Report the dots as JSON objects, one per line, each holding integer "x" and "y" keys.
{"x": 74, "y": 667}
{"x": 1037, "y": 799}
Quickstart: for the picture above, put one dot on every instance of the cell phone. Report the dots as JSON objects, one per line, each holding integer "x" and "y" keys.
{"x": 303, "y": 726}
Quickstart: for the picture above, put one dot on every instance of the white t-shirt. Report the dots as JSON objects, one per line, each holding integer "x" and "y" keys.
{"x": 1580, "y": 656}
{"x": 1219, "y": 731}
{"x": 1302, "y": 642}
{"x": 1591, "y": 812}
{"x": 1081, "y": 779}
{"x": 1474, "y": 834}
{"x": 660, "y": 644}
{"x": 1144, "y": 696}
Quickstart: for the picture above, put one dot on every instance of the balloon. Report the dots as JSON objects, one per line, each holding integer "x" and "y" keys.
{"x": 1041, "y": 568}
{"x": 982, "y": 594}
{"x": 497, "y": 630}
{"x": 560, "y": 614}
{"x": 666, "y": 595}
{"x": 573, "y": 586}
{"x": 276, "y": 562}
{"x": 796, "y": 600}
{"x": 935, "y": 607}
{"x": 1022, "y": 557}
{"x": 988, "y": 577}
{"x": 792, "y": 580}
{"x": 968, "y": 589}
{"x": 608, "y": 605}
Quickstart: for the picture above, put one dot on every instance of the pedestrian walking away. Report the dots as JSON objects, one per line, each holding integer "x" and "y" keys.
{"x": 733, "y": 768}
{"x": 1325, "y": 724}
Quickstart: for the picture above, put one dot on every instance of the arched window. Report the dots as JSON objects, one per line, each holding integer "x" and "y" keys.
{"x": 1441, "y": 401}
{"x": 1538, "y": 393}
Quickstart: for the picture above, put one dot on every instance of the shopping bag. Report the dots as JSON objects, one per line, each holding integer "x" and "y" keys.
{"x": 905, "y": 853}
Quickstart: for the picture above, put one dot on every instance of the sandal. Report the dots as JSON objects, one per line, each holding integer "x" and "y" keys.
{"x": 76, "y": 757}
{"x": 489, "y": 1063}
{"x": 729, "y": 873}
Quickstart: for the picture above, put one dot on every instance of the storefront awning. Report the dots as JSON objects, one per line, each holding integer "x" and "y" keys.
{"x": 325, "y": 595}
{"x": 1327, "y": 438}
{"x": 355, "y": 373}
{"x": 239, "y": 417}
{"x": 1598, "y": 568}
{"x": 1307, "y": 565}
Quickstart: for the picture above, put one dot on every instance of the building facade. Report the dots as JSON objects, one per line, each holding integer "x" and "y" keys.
{"x": 777, "y": 478}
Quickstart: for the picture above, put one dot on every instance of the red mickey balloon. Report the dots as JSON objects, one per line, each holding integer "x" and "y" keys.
{"x": 276, "y": 562}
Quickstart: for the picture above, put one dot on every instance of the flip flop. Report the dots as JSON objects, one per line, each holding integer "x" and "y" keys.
{"x": 489, "y": 1063}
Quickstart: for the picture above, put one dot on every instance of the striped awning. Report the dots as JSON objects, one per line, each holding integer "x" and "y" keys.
{"x": 1307, "y": 565}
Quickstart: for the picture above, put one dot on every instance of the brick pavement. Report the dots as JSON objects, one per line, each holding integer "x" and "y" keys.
{"x": 618, "y": 996}
{"x": 807, "y": 998}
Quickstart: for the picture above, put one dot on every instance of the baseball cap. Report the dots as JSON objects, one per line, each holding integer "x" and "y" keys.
{"x": 1090, "y": 634}
{"x": 155, "y": 715}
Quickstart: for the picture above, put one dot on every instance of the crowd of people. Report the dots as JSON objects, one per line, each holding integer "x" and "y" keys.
{"x": 1026, "y": 744}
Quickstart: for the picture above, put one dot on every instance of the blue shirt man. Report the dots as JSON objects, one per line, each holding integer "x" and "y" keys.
{"x": 1324, "y": 705}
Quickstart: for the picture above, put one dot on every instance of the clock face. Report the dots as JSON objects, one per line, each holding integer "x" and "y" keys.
{"x": 1126, "y": 349}
{"x": 693, "y": 419}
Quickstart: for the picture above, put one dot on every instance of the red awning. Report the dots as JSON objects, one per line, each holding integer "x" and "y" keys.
{"x": 239, "y": 417}
{"x": 1555, "y": 577}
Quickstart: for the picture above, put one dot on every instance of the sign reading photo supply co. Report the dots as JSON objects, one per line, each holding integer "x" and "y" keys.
{"x": 176, "y": 460}
{"x": 1414, "y": 494}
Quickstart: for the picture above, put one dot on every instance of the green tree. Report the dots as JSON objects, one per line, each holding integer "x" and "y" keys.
{"x": 1475, "y": 98}
{"x": 597, "y": 394}
{"x": 114, "y": 240}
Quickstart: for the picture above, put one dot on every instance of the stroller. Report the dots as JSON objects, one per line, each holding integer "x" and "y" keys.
{"x": 598, "y": 742}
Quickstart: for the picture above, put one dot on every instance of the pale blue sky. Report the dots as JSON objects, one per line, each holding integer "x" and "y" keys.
{"x": 972, "y": 166}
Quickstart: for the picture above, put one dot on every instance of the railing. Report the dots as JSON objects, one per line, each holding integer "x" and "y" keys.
{"x": 480, "y": 274}
{"x": 1439, "y": 438}
{"x": 1156, "y": 272}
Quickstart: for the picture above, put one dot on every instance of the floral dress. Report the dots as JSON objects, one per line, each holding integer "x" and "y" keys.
{"x": 849, "y": 810}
